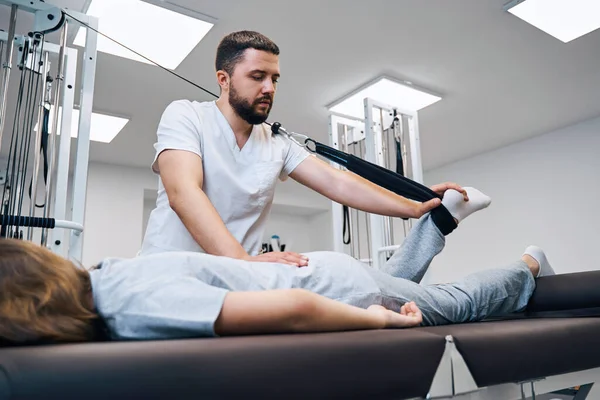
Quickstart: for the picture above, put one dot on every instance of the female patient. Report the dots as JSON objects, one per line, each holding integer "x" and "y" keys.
{"x": 175, "y": 295}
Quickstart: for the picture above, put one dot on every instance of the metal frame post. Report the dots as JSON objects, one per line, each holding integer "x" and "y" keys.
{"x": 59, "y": 207}
{"x": 60, "y": 81}
{"x": 38, "y": 138}
{"x": 336, "y": 208}
{"x": 374, "y": 154}
{"x": 356, "y": 125}
{"x": 83, "y": 138}
{"x": 7, "y": 69}
{"x": 415, "y": 143}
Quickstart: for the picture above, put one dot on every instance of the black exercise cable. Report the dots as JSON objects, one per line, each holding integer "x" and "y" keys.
{"x": 28, "y": 128}
{"x": 10, "y": 185}
{"x": 144, "y": 57}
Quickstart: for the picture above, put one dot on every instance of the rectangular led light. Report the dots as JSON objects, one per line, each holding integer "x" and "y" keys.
{"x": 566, "y": 20}
{"x": 164, "y": 36}
{"x": 104, "y": 128}
{"x": 387, "y": 91}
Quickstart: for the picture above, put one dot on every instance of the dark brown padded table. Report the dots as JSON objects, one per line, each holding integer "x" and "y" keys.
{"x": 386, "y": 364}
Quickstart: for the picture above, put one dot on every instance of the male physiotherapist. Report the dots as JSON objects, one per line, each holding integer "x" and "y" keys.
{"x": 218, "y": 165}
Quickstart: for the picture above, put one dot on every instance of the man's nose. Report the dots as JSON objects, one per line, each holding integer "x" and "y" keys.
{"x": 268, "y": 87}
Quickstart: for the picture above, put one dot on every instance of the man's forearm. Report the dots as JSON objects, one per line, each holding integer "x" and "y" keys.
{"x": 361, "y": 194}
{"x": 204, "y": 224}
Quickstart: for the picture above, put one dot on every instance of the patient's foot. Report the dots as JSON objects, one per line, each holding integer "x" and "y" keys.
{"x": 536, "y": 260}
{"x": 461, "y": 209}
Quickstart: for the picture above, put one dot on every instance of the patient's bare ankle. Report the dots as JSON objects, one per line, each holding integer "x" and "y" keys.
{"x": 533, "y": 265}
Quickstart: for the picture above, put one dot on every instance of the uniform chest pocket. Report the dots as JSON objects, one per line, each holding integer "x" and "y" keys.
{"x": 267, "y": 173}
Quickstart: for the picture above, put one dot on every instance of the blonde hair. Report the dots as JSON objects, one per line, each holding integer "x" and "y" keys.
{"x": 43, "y": 297}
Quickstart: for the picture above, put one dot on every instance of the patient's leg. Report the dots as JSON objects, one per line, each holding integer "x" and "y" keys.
{"x": 425, "y": 240}
{"x": 478, "y": 296}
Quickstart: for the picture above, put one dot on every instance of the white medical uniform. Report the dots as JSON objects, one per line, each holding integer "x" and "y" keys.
{"x": 240, "y": 183}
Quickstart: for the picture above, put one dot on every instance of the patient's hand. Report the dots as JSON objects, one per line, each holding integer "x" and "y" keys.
{"x": 283, "y": 257}
{"x": 409, "y": 315}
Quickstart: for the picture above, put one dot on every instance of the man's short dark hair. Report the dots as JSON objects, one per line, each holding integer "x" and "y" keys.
{"x": 232, "y": 47}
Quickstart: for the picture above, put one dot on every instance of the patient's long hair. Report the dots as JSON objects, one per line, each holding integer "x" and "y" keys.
{"x": 43, "y": 297}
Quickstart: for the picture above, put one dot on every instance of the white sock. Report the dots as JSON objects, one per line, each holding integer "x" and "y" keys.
{"x": 539, "y": 256}
{"x": 461, "y": 209}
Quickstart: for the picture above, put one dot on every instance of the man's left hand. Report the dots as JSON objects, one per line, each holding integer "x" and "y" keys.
{"x": 442, "y": 187}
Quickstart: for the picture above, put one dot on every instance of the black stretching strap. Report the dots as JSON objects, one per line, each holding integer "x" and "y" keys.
{"x": 389, "y": 180}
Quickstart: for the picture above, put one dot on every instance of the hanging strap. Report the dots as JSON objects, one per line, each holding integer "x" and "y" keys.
{"x": 399, "y": 160}
{"x": 44, "y": 149}
{"x": 346, "y": 236}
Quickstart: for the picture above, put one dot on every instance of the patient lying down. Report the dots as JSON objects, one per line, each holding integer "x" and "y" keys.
{"x": 44, "y": 297}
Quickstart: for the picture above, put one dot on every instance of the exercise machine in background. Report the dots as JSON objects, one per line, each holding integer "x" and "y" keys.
{"x": 388, "y": 137}
{"x": 36, "y": 126}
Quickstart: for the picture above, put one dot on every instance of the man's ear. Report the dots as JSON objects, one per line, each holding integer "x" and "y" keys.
{"x": 223, "y": 80}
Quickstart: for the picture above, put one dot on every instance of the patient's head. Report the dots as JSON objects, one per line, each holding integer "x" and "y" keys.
{"x": 43, "y": 297}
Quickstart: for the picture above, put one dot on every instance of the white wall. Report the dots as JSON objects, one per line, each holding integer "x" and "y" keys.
{"x": 119, "y": 200}
{"x": 301, "y": 233}
{"x": 321, "y": 232}
{"x": 293, "y": 230}
{"x": 544, "y": 191}
{"x": 114, "y": 211}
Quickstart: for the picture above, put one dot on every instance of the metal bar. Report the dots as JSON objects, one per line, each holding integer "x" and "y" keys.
{"x": 38, "y": 143}
{"x": 52, "y": 137}
{"x": 354, "y": 248}
{"x": 7, "y": 67}
{"x": 373, "y": 154}
{"x": 83, "y": 138}
{"x": 336, "y": 208}
{"x": 62, "y": 171}
{"x": 415, "y": 149}
{"x": 1, "y": 55}
{"x": 77, "y": 228}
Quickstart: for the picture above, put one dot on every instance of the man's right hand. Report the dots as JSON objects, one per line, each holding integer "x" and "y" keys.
{"x": 282, "y": 257}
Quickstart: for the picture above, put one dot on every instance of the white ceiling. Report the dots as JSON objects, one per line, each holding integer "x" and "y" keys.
{"x": 501, "y": 79}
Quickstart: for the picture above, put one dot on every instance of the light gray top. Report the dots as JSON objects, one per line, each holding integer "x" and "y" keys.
{"x": 180, "y": 294}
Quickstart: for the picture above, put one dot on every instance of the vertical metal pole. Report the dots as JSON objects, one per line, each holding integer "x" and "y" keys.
{"x": 373, "y": 154}
{"x": 336, "y": 208}
{"x": 415, "y": 148}
{"x": 57, "y": 244}
{"x": 38, "y": 142}
{"x": 387, "y": 221}
{"x": 7, "y": 67}
{"x": 399, "y": 126}
{"x": 346, "y": 148}
{"x": 1, "y": 53}
{"x": 52, "y": 137}
{"x": 83, "y": 139}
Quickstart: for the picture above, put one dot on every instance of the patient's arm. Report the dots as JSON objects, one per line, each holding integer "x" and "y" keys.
{"x": 297, "y": 310}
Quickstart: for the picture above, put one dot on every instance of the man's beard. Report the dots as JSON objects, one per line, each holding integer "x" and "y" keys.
{"x": 246, "y": 110}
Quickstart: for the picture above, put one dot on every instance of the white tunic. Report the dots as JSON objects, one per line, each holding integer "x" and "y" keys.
{"x": 240, "y": 183}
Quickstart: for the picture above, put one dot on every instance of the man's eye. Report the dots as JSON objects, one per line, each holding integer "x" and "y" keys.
{"x": 257, "y": 78}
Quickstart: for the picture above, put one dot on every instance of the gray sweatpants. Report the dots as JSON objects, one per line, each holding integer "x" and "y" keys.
{"x": 481, "y": 295}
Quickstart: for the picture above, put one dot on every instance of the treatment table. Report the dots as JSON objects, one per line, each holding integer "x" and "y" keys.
{"x": 554, "y": 344}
